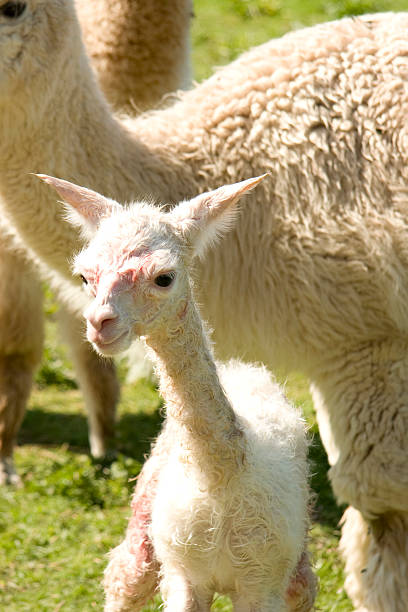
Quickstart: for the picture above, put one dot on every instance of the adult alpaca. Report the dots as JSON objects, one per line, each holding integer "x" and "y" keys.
{"x": 313, "y": 278}
{"x": 127, "y": 42}
{"x": 230, "y": 508}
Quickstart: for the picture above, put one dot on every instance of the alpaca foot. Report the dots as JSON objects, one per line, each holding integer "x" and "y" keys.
{"x": 8, "y": 474}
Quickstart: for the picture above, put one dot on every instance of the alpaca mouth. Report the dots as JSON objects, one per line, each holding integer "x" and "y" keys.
{"x": 112, "y": 346}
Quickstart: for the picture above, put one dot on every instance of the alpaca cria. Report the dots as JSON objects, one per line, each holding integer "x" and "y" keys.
{"x": 230, "y": 508}
{"x": 316, "y": 275}
{"x": 127, "y": 41}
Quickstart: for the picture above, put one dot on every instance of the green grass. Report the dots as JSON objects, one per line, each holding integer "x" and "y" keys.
{"x": 56, "y": 530}
{"x": 224, "y": 29}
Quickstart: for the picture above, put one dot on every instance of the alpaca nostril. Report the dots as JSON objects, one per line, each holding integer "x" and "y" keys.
{"x": 100, "y": 319}
{"x": 106, "y": 320}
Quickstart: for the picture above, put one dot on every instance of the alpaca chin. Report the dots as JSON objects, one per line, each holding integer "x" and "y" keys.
{"x": 118, "y": 345}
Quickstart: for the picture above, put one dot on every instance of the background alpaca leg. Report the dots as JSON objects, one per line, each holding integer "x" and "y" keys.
{"x": 361, "y": 398}
{"x": 97, "y": 379}
{"x": 21, "y": 340}
{"x": 376, "y": 555}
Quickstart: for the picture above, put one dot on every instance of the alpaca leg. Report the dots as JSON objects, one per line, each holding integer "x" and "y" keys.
{"x": 132, "y": 575}
{"x": 301, "y": 592}
{"x": 129, "y": 584}
{"x": 361, "y": 399}
{"x": 97, "y": 380}
{"x": 21, "y": 341}
{"x": 180, "y": 596}
{"x": 376, "y": 555}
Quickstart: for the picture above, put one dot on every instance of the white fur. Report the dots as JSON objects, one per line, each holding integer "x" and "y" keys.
{"x": 245, "y": 536}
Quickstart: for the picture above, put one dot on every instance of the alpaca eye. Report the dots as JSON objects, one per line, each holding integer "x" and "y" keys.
{"x": 13, "y": 10}
{"x": 83, "y": 279}
{"x": 164, "y": 280}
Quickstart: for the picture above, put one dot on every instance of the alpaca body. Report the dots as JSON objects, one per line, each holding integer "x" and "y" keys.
{"x": 230, "y": 506}
{"x": 249, "y": 528}
{"x": 315, "y": 276}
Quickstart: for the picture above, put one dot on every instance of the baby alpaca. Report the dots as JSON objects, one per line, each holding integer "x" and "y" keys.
{"x": 234, "y": 483}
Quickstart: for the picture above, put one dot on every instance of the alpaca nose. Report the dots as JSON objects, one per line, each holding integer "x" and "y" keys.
{"x": 100, "y": 317}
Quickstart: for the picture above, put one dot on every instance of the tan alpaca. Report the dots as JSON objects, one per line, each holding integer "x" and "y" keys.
{"x": 313, "y": 278}
{"x": 230, "y": 508}
{"x": 140, "y": 49}
{"x": 127, "y": 42}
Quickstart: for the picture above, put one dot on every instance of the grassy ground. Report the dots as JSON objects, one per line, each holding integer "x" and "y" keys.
{"x": 56, "y": 530}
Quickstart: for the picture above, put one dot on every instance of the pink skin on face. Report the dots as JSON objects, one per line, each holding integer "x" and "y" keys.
{"x": 102, "y": 317}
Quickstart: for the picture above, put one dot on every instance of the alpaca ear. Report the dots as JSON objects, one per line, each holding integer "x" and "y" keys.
{"x": 204, "y": 218}
{"x": 84, "y": 207}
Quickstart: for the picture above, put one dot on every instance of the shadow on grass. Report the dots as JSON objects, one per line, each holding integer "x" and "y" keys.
{"x": 133, "y": 432}
{"x": 326, "y": 511}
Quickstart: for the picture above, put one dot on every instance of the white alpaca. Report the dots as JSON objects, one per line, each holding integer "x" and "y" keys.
{"x": 127, "y": 41}
{"x": 230, "y": 511}
{"x": 316, "y": 275}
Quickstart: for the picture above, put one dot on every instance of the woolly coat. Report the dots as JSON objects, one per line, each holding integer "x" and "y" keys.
{"x": 315, "y": 268}
{"x": 244, "y": 532}
{"x": 314, "y": 276}
{"x": 140, "y": 50}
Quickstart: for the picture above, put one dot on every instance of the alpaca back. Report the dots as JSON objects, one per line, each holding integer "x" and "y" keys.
{"x": 262, "y": 407}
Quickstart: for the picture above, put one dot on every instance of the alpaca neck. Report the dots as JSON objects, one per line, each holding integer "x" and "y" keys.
{"x": 142, "y": 52}
{"x": 60, "y": 124}
{"x": 195, "y": 400}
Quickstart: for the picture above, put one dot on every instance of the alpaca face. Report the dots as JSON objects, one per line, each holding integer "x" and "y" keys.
{"x": 32, "y": 32}
{"x": 135, "y": 270}
{"x": 136, "y": 265}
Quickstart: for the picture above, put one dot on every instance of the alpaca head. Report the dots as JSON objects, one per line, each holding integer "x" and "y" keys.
{"x": 136, "y": 264}
{"x": 32, "y": 35}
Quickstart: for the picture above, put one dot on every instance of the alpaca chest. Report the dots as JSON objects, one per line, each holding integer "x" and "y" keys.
{"x": 213, "y": 537}
{"x": 188, "y": 525}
